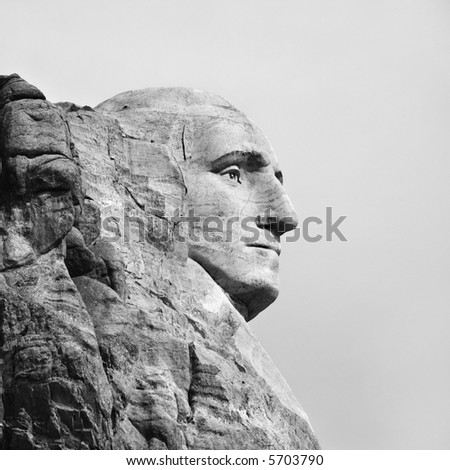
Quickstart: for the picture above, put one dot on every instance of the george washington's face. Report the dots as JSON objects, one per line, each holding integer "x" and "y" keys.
{"x": 235, "y": 189}
{"x": 234, "y": 186}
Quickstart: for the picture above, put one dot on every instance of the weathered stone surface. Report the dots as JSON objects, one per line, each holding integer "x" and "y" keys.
{"x": 55, "y": 390}
{"x": 138, "y": 339}
{"x": 15, "y": 88}
{"x": 79, "y": 258}
{"x": 88, "y": 222}
{"x": 1, "y": 401}
{"x": 33, "y": 127}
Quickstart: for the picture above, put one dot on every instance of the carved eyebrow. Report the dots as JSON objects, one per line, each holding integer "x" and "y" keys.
{"x": 251, "y": 158}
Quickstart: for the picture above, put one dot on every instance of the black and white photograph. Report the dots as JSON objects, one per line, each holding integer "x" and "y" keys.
{"x": 225, "y": 226}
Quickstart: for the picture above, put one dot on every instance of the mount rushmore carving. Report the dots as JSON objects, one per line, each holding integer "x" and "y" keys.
{"x": 137, "y": 240}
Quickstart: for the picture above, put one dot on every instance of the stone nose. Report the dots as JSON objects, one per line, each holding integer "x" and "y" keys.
{"x": 279, "y": 217}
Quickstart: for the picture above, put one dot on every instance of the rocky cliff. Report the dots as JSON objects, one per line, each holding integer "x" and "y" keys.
{"x": 112, "y": 336}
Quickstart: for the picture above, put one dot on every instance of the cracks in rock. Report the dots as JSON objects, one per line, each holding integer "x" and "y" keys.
{"x": 183, "y": 143}
{"x": 112, "y": 157}
{"x": 194, "y": 324}
{"x": 182, "y": 177}
{"x": 128, "y": 136}
{"x": 163, "y": 297}
{"x": 190, "y": 392}
{"x": 139, "y": 204}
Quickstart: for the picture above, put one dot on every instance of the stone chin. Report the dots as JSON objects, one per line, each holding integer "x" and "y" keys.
{"x": 248, "y": 275}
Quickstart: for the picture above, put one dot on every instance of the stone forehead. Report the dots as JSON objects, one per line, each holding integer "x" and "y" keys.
{"x": 176, "y": 103}
{"x": 176, "y": 117}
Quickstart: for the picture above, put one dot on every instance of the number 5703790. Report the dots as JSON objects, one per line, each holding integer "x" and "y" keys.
{"x": 305, "y": 459}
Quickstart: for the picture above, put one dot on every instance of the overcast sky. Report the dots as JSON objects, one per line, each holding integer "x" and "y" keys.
{"x": 355, "y": 97}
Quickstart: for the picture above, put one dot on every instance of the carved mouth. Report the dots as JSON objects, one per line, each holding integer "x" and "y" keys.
{"x": 275, "y": 247}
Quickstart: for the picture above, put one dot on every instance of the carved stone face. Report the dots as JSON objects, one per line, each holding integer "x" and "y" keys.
{"x": 233, "y": 180}
{"x": 235, "y": 187}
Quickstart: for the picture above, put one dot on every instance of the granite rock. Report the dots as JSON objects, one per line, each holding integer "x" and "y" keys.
{"x": 55, "y": 390}
{"x": 115, "y": 333}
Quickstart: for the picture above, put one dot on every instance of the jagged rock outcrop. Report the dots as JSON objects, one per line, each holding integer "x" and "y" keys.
{"x": 55, "y": 390}
{"x": 115, "y": 334}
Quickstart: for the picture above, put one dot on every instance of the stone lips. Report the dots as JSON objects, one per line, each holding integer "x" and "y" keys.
{"x": 122, "y": 344}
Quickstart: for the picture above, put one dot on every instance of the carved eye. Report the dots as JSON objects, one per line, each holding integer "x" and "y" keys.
{"x": 233, "y": 173}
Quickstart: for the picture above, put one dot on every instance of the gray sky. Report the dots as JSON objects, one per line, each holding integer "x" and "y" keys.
{"x": 355, "y": 98}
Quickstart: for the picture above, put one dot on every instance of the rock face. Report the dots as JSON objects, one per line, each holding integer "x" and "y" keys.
{"x": 55, "y": 390}
{"x": 1, "y": 401}
{"x": 119, "y": 328}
